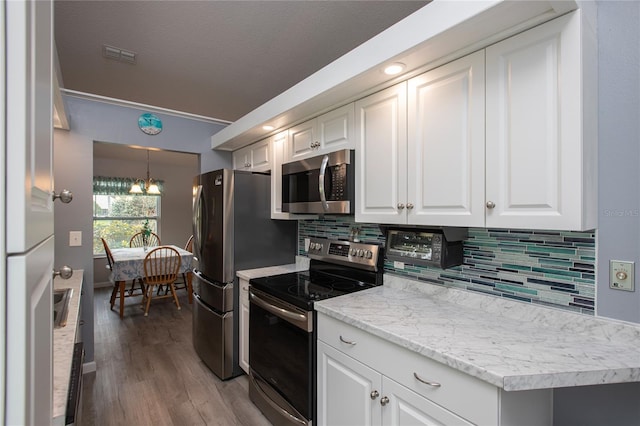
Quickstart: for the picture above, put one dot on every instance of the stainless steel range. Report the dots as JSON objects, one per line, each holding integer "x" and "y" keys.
{"x": 282, "y": 325}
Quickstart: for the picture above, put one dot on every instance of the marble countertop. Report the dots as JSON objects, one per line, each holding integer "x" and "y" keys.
{"x": 302, "y": 264}
{"x": 512, "y": 345}
{"x": 63, "y": 341}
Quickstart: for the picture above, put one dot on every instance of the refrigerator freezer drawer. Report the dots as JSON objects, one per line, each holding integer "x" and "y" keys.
{"x": 213, "y": 339}
{"x": 218, "y": 296}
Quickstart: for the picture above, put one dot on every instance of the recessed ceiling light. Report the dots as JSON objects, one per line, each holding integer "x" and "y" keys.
{"x": 395, "y": 68}
{"x": 267, "y": 127}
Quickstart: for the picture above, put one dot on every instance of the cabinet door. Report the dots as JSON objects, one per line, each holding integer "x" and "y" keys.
{"x": 244, "y": 325}
{"x": 348, "y": 391}
{"x": 255, "y": 157}
{"x": 407, "y": 408}
{"x": 533, "y": 146}
{"x": 279, "y": 144}
{"x": 242, "y": 159}
{"x": 29, "y": 131}
{"x": 335, "y": 129}
{"x": 261, "y": 155}
{"x": 381, "y": 156}
{"x": 446, "y": 145}
{"x": 303, "y": 140}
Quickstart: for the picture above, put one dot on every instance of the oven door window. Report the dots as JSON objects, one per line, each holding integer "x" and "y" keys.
{"x": 281, "y": 354}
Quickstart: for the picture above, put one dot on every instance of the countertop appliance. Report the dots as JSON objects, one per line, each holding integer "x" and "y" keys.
{"x": 440, "y": 247}
{"x": 232, "y": 230}
{"x": 320, "y": 185}
{"x": 282, "y": 325}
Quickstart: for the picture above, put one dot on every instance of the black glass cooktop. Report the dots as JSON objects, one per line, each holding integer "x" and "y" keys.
{"x": 303, "y": 288}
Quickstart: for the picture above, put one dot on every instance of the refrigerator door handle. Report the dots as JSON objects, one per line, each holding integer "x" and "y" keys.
{"x": 197, "y": 204}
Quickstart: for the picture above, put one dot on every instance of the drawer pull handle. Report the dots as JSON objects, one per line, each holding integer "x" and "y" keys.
{"x": 426, "y": 382}
{"x": 347, "y": 341}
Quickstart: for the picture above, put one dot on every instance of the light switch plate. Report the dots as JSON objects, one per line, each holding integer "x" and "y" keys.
{"x": 75, "y": 238}
{"x": 621, "y": 275}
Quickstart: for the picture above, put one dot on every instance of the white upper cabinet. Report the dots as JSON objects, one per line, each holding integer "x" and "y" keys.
{"x": 518, "y": 153}
{"x": 329, "y": 132}
{"x": 541, "y": 134}
{"x": 255, "y": 157}
{"x": 445, "y": 162}
{"x": 381, "y": 156}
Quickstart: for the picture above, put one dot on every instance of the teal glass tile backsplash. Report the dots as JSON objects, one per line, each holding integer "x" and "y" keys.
{"x": 553, "y": 268}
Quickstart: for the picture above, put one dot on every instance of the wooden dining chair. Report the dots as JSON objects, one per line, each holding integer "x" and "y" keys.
{"x": 183, "y": 282}
{"x": 161, "y": 267}
{"x": 138, "y": 240}
{"x": 114, "y": 292}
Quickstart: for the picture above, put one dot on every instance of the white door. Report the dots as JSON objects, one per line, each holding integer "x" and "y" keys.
{"x": 407, "y": 408}
{"x": 28, "y": 213}
{"x": 381, "y": 156}
{"x": 446, "y": 145}
{"x": 533, "y": 143}
{"x": 348, "y": 391}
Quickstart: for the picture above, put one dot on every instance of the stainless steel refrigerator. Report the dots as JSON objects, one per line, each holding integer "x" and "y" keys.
{"x": 232, "y": 230}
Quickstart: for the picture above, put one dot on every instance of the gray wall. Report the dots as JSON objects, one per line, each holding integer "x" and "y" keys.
{"x": 73, "y": 169}
{"x": 618, "y": 235}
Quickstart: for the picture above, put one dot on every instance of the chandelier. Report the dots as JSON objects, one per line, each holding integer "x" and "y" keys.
{"x": 150, "y": 187}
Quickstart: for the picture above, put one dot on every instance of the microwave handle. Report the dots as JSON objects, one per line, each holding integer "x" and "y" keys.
{"x": 323, "y": 195}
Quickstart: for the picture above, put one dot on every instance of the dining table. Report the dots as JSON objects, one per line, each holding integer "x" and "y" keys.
{"x": 128, "y": 264}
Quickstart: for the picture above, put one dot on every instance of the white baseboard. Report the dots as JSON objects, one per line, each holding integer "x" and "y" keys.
{"x": 103, "y": 284}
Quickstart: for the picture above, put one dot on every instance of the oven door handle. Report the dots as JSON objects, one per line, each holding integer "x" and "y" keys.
{"x": 321, "y": 188}
{"x": 300, "y": 320}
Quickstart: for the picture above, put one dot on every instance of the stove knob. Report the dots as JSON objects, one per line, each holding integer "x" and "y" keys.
{"x": 360, "y": 253}
{"x": 353, "y": 252}
{"x": 369, "y": 254}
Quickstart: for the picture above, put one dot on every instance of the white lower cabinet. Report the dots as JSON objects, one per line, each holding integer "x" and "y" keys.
{"x": 244, "y": 325}
{"x": 365, "y": 380}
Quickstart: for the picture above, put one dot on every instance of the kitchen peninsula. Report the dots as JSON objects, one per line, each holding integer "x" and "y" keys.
{"x": 509, "y": 352}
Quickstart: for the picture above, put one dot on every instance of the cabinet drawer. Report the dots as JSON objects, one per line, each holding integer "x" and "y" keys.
{"x": 470, "y": 398}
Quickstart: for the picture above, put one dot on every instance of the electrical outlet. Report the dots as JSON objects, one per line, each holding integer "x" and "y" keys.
{"x": 621, "y": 275}
{"x": 398, "y": 265}
{"x": 75, "y": 238}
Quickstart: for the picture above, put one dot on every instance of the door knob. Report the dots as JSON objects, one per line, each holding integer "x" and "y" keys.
{"x": 374, "y": 394}
{"x": 400, "y": 206}
{"x": 490, "y": 204}
{"x": 384, "y": 401}
{"x": 65, "y": 273}
{"x": 65, "y": 196}
{"x": 409, "y": 206}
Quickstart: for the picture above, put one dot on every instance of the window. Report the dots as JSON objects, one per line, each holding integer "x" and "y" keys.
{"x": 117, "y": 215}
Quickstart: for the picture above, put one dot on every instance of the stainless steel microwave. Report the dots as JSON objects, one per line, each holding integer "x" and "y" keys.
{"x": 320, "y": 185}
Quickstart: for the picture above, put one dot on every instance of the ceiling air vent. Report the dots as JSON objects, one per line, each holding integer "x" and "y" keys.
{"x": 118, "y": 54}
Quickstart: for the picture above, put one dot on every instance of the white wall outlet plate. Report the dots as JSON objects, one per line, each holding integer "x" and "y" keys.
{"x": 621, "y": 275}
{"x": 75, "y": 238}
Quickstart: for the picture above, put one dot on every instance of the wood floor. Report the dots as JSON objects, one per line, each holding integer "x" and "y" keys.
{"x": 149, "y": 374}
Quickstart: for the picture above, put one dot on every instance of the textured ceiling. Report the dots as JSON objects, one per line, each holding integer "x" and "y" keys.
{"x": 219, "y": 59}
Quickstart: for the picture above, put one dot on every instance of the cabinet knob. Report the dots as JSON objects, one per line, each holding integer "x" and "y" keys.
{"x": 490, "y": 204}
{"x": 384, "y": 401}
{"x": 400, "y": 206}
{"x": 65, "y": 273}
{"x": 409, "y": 206}
{"x": 374, "y": 394}
{"x": 65, "y": 196}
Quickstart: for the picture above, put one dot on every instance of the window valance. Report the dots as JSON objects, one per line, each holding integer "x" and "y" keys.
{"x": 103, "y": 185}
